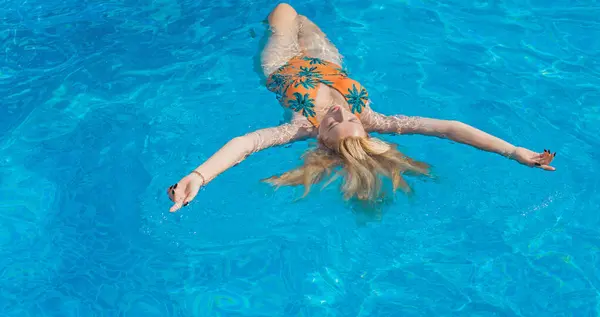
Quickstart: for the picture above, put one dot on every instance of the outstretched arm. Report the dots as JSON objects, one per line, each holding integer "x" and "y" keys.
{"x": 232, "y": 153}
{"x": 459, "y": 132}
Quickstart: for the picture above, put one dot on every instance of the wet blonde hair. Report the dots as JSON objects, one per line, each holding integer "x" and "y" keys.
{"x": 362, "y": 160}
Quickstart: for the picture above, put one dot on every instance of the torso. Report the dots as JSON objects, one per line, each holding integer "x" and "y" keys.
{"x": 324, "y": 95}
{"x": 326, "y": 98}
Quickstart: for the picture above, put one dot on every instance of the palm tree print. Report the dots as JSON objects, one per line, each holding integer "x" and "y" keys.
{"x": 342, "y": 72}
{"x": 303, "y": 104}
{"x": 306, "y": 82}
{"x": 277, "y": 83}
{"x": 282, "y": 67}
{"x": 313, "y": 60}
{"x": 326, "y": 82}
{"x": 356, "y": 99}
{"x": 309, "y": 72}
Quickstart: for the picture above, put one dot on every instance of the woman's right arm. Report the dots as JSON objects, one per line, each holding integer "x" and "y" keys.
{"x": 458, "y": 132}
{"x": 232, "y": 153}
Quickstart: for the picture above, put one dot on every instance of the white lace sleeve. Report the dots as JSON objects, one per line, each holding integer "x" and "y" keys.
{"x": 237, "y": 149}
{"x": 448, "y": 129}
{"x": 377, "y": 122}
{"x": 280, "y": 135}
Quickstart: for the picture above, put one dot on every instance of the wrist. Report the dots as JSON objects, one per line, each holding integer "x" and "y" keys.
{"x": 510, "y": 152}
{"x": 198, "y": 175}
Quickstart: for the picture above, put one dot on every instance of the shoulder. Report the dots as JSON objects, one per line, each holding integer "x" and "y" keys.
{"x": 368, "y": 115}
{"x": 374, "y": 121}
{"x": 302, "y": 125}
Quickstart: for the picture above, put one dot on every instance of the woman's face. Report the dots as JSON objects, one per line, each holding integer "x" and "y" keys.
{"x": 339, "y": 123}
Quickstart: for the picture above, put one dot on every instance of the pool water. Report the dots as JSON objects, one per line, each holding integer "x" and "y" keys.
{"x": 106, "y": 103}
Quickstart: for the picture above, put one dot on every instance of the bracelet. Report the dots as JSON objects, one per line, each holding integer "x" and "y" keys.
{"x": 511, "y": 153}
{"x": 201, "y": 176}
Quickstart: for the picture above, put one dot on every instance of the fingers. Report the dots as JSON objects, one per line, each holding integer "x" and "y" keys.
{"x": 547, "y": 168}
{"x": 182, "y": 194}
{"x": 191, "y": 193}
{"x": 544, "y": 159}
{"x": 544, "y": 167}
{"x": 548, "y": 153}
{"x": 547, "y": 157}
{"x": 178, "y": 202}
{"x": 173, "y": 192}
{"x": 176, "y": 206}
{"x": 177, "y": 195}
{"x": 189, "y": 198}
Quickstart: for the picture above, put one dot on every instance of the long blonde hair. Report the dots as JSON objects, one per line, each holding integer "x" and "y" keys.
{"x": 362, "y": 160}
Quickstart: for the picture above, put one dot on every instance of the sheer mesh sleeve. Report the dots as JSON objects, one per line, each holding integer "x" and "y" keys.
{"x": 377, "y": 122}
{"x": 237, "y": 149}
{"x": 285, "y": 133}
{"x": 448, "y": 129}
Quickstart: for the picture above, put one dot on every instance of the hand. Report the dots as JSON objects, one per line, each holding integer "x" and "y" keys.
{"x": 185, "y": 191}
{"x": 532, "y": 159}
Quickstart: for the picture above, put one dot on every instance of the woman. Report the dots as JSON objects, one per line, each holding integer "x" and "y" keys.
{"x": 302, "y": 67}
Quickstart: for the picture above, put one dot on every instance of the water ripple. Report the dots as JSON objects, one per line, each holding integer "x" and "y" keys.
{"x": 105, "y": 103}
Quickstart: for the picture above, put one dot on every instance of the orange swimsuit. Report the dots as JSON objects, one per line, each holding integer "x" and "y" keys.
{"x": 297, "y": 82}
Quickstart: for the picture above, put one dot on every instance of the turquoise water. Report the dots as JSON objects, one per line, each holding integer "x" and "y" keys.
{"x": 105, "y": 104}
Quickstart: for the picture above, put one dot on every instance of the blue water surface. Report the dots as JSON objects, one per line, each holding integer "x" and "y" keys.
{"x": 104, "y": 104}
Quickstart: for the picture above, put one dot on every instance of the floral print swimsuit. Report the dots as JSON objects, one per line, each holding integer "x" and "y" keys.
{"x": 296, "y": 85}
{"x": 297, "y": 82}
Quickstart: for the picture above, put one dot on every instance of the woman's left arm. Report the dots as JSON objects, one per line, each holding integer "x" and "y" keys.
{"x": 459, "y": 132}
